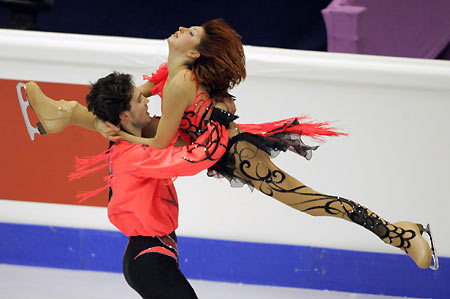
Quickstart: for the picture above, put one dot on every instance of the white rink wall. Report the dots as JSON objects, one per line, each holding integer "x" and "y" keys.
{"x": 395, "y": 160}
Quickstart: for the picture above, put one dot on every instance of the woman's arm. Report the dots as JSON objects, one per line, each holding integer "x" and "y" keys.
{"x": 146, "y": 88}
{"x": 150, "y": 132}
{"x": 225, "y": 103}
{"x": 178, "y": 96}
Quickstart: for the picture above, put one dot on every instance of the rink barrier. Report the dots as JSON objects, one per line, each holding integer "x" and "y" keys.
{"x": 384, "y": 103}
{"x": 230, "y": 261}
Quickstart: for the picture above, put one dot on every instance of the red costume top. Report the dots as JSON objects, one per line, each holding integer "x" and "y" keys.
{"x": 140, "y": 203}
{"x": 192, "y": 124}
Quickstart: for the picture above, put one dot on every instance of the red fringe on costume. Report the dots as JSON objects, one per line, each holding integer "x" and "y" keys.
{"x": 85, "y": 166}
{"x": 293, "y": 126}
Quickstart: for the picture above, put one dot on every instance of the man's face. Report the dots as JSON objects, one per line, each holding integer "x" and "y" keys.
{"x": 138, "y": 114}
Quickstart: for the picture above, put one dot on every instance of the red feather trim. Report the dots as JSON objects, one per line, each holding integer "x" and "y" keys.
{"x": 293, "y": 126}
{"x": 159, "y": 78}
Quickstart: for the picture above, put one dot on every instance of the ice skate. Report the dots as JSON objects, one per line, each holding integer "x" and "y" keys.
{"x": 435, "y": 264}
{"x": 416, "y": 246}
{"x": 54, "y": 116}
{"x": 23, "y": 106}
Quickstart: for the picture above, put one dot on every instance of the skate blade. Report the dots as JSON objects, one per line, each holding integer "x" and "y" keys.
{"x": 435, "y": 264}
{"x": 39, "y": 129}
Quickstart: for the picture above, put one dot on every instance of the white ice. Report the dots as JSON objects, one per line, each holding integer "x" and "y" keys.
{"x": 20, "y": 282}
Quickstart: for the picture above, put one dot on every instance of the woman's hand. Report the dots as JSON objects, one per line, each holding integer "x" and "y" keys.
{"x": 107, "y": 129}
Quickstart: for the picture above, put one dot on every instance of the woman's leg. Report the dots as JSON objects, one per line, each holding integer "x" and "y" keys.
{"x": 254, "y": 167}
{"x": 55, "y": 116}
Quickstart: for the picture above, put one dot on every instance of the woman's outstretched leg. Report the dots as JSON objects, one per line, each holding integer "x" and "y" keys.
{"x": 55, "y": 116}
{"x": 254, "y": 167}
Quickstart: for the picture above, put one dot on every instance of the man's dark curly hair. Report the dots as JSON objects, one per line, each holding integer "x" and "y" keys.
{"x": 110, "y": 96}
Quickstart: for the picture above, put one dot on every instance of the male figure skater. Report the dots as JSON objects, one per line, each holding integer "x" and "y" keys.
{"x": 142, "y": 207}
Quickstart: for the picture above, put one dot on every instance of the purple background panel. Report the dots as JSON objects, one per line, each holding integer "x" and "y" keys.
{"x": 405, "y": 28}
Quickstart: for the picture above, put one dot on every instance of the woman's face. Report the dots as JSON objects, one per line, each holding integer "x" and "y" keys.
{"x": 186, "y": 39}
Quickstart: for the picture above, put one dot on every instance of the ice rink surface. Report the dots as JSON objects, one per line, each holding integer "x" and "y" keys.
{"x": 20, "y": 282}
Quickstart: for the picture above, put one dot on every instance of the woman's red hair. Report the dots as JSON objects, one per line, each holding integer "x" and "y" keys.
{"x": 221, "y": 64}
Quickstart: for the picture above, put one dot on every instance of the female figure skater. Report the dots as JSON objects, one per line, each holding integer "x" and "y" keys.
{"x": 204, "y": 63}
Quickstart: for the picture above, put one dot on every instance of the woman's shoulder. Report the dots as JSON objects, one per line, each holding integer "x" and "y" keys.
{"x": 186, "y": 76}
{"x": 183, "y": 79}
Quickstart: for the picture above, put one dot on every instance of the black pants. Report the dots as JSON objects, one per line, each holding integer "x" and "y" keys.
{"x": 154, "y": 275}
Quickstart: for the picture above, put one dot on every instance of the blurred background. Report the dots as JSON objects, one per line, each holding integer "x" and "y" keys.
{"x": 284, "y": 24}
{"x": 405, "y": 28}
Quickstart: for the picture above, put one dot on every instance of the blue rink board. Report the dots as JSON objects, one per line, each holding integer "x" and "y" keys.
{"x": 239, "y": 262}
